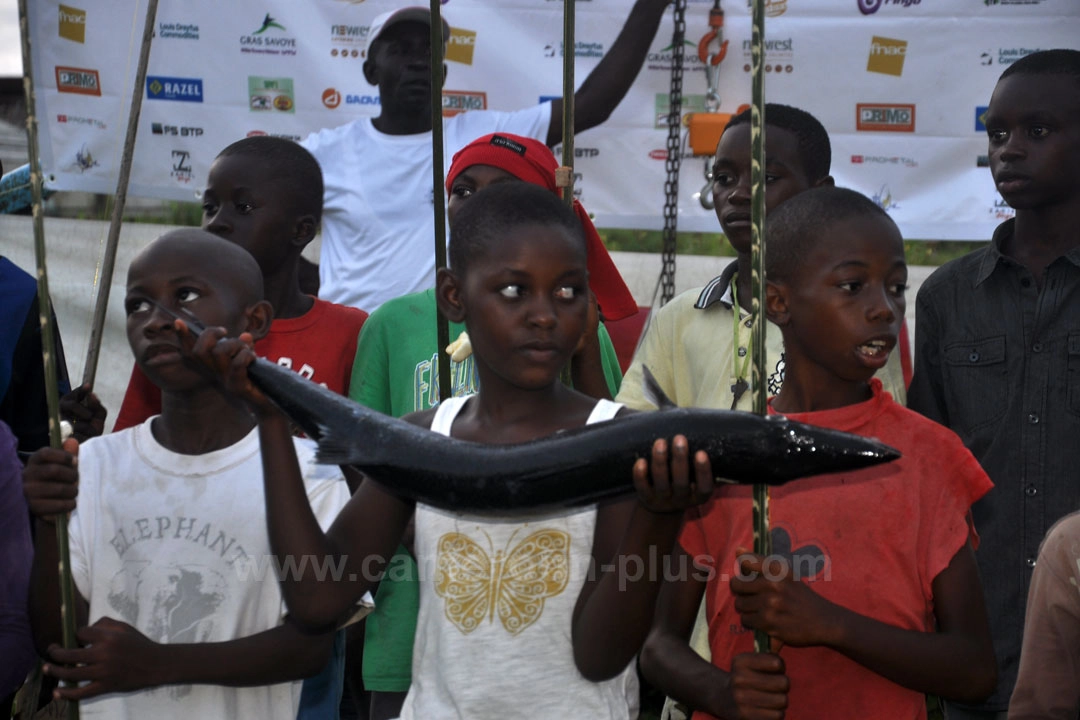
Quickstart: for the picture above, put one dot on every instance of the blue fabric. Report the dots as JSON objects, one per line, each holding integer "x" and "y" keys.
{"x": 17, "y": 292}
{"x": 320, "y": 696}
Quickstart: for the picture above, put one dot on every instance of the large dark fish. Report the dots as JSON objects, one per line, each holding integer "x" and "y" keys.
{"x": 567, "y": 469}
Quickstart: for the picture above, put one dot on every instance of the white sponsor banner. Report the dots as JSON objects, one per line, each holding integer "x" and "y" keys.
{"x": 899, "y": 84}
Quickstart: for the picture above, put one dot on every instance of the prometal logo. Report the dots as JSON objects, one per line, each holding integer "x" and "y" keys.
{"x": 879, "y": 117}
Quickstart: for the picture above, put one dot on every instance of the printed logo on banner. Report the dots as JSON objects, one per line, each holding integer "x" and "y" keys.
{"x": 661, "y": 61}
{"x": 72, "y": 24}
{"x": 1007, "y": 55}
{"x": 181, "y": 165}
{"x": 283, "y": 136}
{"x": 172, "y": 88}
{"x": 886, "y": 56}
{"x": 84, "y": 160}
{"x": 175, "y": 130}
{"x": 773, "y": 8}
{"x": 177, "y": 31}
{"x": 884, "y": 160}
{"x": 81, "y": 81}
{"x": 779, "y": 55}
{"x": 869, "y": 7}
{"x": 579, "y": 152}
{"x": 269, "y": 94}
{"x": 331, "y": 98}
{"x": 79, "y": 120}
{"x": 348, "y": 40}
{"x": 883, "y": 199}
{"x": 880, "y": 117}
{"x": 980, "y": 118}
{"x": 461, "y": 45}
{"x": 363, "y": 100}
{"x": 989, "y": 3}
{"x": 588, "y": 50}
{"x": 268, "y": 40}
{"x": 982, "y": 161}
{"x": 455, "y": 102}
{"x": 691, "y": 104}
{"x": 1000, "y": 210}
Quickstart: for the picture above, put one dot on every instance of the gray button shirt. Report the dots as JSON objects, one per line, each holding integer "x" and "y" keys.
{"x": 998, "y": 361}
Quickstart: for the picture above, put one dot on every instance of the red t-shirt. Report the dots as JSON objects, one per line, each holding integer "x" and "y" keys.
{"x": 320, "y": 345}
{"x": 871, "y": 541}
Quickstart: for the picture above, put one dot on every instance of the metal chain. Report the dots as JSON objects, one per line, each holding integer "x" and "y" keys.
{"x": 674, "y": 156}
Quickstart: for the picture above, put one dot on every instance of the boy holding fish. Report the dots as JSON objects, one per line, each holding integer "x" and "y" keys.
{"x": 169, "y": 546}
{"x": 872, "y": 597}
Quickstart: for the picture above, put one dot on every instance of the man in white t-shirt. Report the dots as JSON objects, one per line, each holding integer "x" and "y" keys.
{"x": 378, "y": 223}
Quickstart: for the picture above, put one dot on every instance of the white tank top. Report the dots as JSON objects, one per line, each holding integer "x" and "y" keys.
{"x": 496, "y": 605}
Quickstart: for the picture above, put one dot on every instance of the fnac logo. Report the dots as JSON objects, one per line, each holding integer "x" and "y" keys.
{"x": 459, "y": 101}
{"x": 887, "y": 56}
{"x": 881, "y": 117}
{"x": 80, "y": 81}
{"x": 980, "y": 118}
{"x": 72, "y": 24}
{"x": 331, "y": 98}
{"x": 461, "y": 45}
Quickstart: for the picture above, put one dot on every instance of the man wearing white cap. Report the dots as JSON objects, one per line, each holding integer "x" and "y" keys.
{"x": 378, "y": 218}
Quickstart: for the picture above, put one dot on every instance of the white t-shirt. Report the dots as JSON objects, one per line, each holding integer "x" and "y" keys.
{"x": 496, "y": 607}
{"x": 177, "y": 546}
{"x": 378, "y": 223}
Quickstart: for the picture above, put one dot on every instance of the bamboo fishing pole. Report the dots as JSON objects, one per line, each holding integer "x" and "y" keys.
{"x": 108, "y": 263}
{"x": 442, "y": 331}
{"x": 564, "y": 176}
{"x": 48, "y": 337}
{"x": 762, "y": 539}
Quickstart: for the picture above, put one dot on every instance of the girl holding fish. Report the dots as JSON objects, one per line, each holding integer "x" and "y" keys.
{"x": 513, "y": 609}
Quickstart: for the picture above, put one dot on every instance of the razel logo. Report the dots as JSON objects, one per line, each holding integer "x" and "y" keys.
{"x": 869, "y": 7}
{"x": 72, "y": 24}
{"x": 455, "y": 102}
{"x": 461, "y": 46}
{"x": 878, "y": 117}
{"x": 181, "y": 165}
{"x": 172, "y": 88}
{"x": 81, "y": 81}
{"x": 980, "y": 118}
{"x": 887, "y": 56}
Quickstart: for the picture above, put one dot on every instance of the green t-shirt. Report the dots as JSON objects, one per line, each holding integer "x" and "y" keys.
{"x": 396, "y": 372}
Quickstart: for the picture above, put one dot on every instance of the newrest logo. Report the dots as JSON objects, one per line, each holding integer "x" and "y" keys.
{"x": 881, "y": 117}
{"x": 72, "y": 24}
{"x": 887, "y": 56}
{"x": 461, "y": 45}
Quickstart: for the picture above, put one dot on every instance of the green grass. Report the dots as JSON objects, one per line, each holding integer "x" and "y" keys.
{"x": 917, "y": 252}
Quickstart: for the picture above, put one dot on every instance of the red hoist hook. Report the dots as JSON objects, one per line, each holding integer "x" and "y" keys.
{"x": 716, "y": 23}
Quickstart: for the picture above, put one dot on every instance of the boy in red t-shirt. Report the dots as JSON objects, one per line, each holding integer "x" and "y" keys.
{"x": 871, "y": 596}
{"x": 265, "y": 195}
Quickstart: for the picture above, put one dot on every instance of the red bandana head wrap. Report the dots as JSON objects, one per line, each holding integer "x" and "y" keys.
{"x": 532, "y": 161}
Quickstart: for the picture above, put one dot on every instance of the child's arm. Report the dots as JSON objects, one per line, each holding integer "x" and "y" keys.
{"x": 115, "y": 657}
{"x": 361, "y": 540}
{"x": 614, "y": 609}
{"x": 956, "y": 662}
{"x": 50, "y": 484}
{"x": 756, "y": 686}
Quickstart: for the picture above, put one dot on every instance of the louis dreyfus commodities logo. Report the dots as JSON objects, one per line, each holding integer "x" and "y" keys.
{"x": 81, "y": 81}
{"x": 882, "y": 117}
